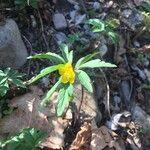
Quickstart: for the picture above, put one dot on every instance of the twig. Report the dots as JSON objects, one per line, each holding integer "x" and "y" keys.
{"x": 139, "y": 33}
{"x": 82, "y": 97}
{"x": 30, "y": 53}
{"x": 108, "y": 93}
{"x": 42, "y": 29}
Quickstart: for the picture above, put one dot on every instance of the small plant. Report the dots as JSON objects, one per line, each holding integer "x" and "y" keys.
{"x": 146, "y": 21}
{"x": 8, "y": 77}
{"x": 27, "y": 139}
{"x": 106, "y": 27}
{"x": 68, "y": 75}
{"x": 72, "y": 38}
{"x": 24, "y": 3}
{"x": 146, "y": 6}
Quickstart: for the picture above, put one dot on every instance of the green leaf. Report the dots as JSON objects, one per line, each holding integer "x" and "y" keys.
{"x": 113, "y": 23}
{"x": 27, "y": 139}
{"x": 33, "y": 3}
{"x": 97, "y": 25}
{"x": 43, "y": 73}
{"x": 2, "y": 73}
{"x": 50, "y": 93}
{"x": 97, "y": 63}
{"x": 85, "y": 80}
{"x": 24, "y": 3}
{"x": 70, "y": 57}
{"x": 18, "y": 83}
{"x": 49, "y": 55}
{"x": 3, "y": 79}
{"x": 114, "y": 36}
{"x": 70, "y": 90}
{"x": 65, "y": 52}
{"x": 146, "y": 6}
{"x": 85, "y": 59}
{"x": 63, "y": 99}
{"x": 3, "y": 90}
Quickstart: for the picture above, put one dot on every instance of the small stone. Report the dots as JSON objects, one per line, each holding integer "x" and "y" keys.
{"x": 131, "y": 18}
{"x": 103, "y": 50}
{"x": 136, "y": 44}
{"x": 141, "y": 117}
{"x": 59, "y": 21}
{"x": 60, "y": 37}
{"x": 13, "y": 52}
{"x": 96, "y": 6}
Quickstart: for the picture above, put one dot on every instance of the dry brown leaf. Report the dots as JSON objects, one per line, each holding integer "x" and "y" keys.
{"x": 82, "y": 137}
{"x": 133, "y": 137}
{"x": 27, "y": 114}
{"x": 105, "y": 138}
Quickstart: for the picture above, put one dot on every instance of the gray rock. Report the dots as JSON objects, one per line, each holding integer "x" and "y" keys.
{"x": 60, "y": 37}
{"x": 103, "y": 50}
{"x": 131, "y": 18}
{"x": 96, "y": 6}
{"x": 77, "y": 18}
{"x": 59, "y": 21}
{"x": 89, "y": 107}
{"x": 142, "y": 118}
{"x": 13, "y": 52}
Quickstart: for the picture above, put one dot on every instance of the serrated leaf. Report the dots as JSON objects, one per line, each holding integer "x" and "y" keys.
{"x": 49, "y": 55}
{"x": 63, "y": 99}
{"x": 65, "y": 52}
{"x": 50, "y": 93}
{"x": 97, "y": 63}
{"x": 85, "y": 59}
{"x": 85, "y": 80}
{"x": 43, "y": 73}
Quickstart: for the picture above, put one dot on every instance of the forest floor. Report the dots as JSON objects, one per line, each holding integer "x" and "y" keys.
{"x": 121, "y": 93}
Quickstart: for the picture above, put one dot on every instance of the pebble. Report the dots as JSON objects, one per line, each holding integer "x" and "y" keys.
{"x": 59, "y": 21}
{"x": 141, "y": 117}
{"x": 96, "y": 6}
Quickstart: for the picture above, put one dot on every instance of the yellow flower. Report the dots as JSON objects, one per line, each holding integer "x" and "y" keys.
{"x": 67, "y": 73}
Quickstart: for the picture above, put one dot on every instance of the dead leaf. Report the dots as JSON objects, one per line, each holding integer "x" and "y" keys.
{"x": 82, "y": 137}
{"x": 27, "y": 114}
{"x": 105, "y": 138}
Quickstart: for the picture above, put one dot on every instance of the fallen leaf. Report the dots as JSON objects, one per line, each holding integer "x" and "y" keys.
{"x": 82, "y": 137}
{"x": 27, "y": 114}
{"x": 105, "y": 138}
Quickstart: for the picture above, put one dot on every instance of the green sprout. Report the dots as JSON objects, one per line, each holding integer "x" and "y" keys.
{"x": 68, "y": 75}
{"x": 9, "y": 77}
{"x": 106, "y": 27}
{"x": 27, "y": 139}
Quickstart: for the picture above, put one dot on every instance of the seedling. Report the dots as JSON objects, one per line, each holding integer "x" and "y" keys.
{"x": 68, "y": 74}
{"x": 27, "y": 139}
{"x": 106, "y": 27}
{"x": 8, "y": 77}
